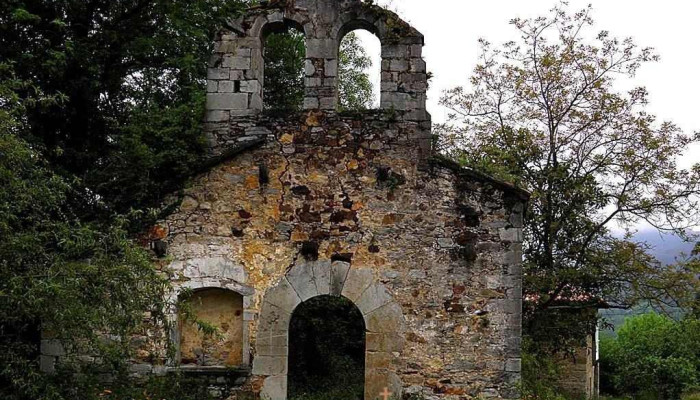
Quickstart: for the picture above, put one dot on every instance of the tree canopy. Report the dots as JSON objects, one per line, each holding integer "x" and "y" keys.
{"x": 62, "y": 277}
{"x": 544, "y": 112}
{"x": 652, "y": 355}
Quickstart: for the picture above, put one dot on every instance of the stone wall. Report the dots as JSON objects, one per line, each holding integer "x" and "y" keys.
{"x": 442, "y": 244}
{"x": 235, "y": 85}
{"x": 578, "y": 370}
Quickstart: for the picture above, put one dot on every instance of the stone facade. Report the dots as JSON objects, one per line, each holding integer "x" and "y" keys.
{"x": 345, "y": 205}
{"x": 354, "y": 205}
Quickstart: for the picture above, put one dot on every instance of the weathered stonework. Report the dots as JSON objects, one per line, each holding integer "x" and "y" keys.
{"x": 428, "y": 251}
{"x": 354, "y": 205}
{"x": 235, "y": 84}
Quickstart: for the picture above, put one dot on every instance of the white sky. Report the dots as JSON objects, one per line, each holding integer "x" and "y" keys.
{"x": 452, "y": 27}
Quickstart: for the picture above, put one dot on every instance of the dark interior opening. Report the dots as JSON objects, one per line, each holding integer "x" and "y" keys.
{"x": 326, "y": 350}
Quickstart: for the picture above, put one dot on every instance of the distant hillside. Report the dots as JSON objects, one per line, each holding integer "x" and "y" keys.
{"x": 667, "y": 248}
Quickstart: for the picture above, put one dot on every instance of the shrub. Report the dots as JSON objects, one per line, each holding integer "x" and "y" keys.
{"x": 652, "y": 357}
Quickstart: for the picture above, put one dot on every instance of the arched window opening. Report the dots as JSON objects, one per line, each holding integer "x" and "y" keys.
{"x": 284, "y": 55}
{"x": 211, "y": 328}
{"x": 359, "y": 71}
{"x": 326, "y": 350}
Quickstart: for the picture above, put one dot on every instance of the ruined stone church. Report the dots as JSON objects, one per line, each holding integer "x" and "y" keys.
{"x": 358, "y": 205}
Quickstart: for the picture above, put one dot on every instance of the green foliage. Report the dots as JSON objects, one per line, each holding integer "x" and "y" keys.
{"x": 543, "y": 112}
{"x": 652, "y": 356}
{"x": 186, "y": 314}
{"x": 284, "y": 71}
{"x": 172, "y": 386}
{"x": 132, "y": 76}
{"x": 540, "y": 375}
{"x": 71, "y": 278}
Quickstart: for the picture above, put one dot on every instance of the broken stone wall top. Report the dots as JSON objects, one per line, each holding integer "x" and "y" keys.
{"x": 236, "y": 73}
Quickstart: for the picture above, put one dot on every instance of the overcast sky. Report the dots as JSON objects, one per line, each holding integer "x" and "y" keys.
{"x": 452, "y": 27}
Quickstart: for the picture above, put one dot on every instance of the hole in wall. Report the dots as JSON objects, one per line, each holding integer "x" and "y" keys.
{"x": 359, "y": 71}
{"x": 344, "y": 257}
{"x": 309, "y": 250}
{"x": 284, "y": 55}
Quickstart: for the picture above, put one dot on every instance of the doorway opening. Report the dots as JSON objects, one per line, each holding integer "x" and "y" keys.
{"x": 326, "y": 350}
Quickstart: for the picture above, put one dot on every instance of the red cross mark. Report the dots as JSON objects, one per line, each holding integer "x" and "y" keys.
{"x": 385, "y": 394}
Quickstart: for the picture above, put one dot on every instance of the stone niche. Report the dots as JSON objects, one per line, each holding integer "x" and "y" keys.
{"x": 222, "y": 310}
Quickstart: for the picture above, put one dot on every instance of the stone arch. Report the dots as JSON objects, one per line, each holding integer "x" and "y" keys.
{"x": 281, "y": 98}
{"x": 235, "y": 73}
{"x": 384, "y": 324}
{"x": 264, "y": 23}
{"x": 403, "y": 70}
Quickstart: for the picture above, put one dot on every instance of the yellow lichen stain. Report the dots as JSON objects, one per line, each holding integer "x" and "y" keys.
{"x": 253, "y": 251}
{"x": 251, "y": 182}
{"x": 287, "y": 138}
{"x": 312, "y": 119}
{"x": 368, "y": 180}
{"x": 221, "y": 309}
{"x": 315, "y": 177}
{"x": 299, "y": 236}
{"x": 435, "y": 364}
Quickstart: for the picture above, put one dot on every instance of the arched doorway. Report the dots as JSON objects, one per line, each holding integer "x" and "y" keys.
{"x": 326, "y": 350}
{"x": 384, "y": 324}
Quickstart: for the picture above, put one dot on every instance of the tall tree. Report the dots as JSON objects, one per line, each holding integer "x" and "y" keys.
{"x": 61, "y": 277}
{"x": 132, "y": 75}
{"x": 543, "y": 111}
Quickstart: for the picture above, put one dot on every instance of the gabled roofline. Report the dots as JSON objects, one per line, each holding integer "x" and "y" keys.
{"x": 443, "y": 161}
{"x": 228, "y": 154}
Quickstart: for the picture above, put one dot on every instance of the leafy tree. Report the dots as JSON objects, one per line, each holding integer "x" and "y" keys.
{"x": 540, "y": 376}
{"x": 67, "y": 277}
{"x": 132, "y": 75}
{"x": 284, "y": 71}
{"x": 543, "y": 112}
{"x": 652, "y": 355}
